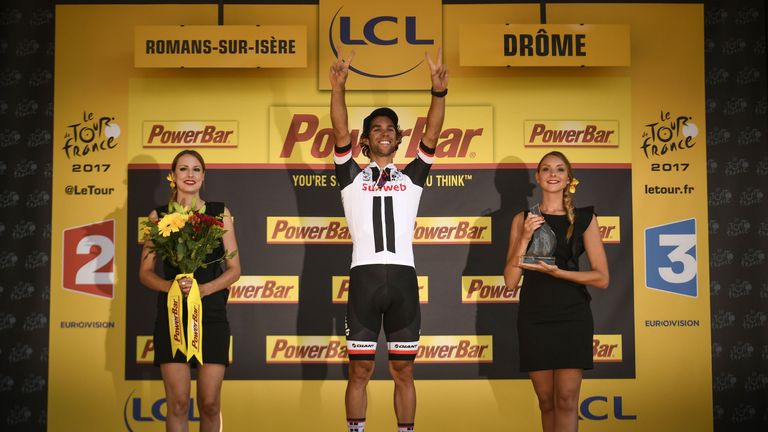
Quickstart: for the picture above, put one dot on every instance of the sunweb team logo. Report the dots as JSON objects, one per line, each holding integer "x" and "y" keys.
{"x": 670, "y": 258}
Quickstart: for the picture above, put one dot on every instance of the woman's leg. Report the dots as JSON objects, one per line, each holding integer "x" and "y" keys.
{"x": 567, "y": 386}
{"x": 176, "y": 379}
{"x": 209, "y": 379}
{"x": 543, "y": 384}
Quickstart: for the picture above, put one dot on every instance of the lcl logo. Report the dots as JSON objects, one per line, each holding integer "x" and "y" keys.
{"x": 352, "y": 34}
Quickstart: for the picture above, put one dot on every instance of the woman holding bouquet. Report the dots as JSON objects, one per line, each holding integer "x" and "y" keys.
{"x": 555, "y": 327}
{"x": 205, "y": 222}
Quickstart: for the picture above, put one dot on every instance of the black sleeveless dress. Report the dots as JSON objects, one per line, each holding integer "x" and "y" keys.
{"x": 555, "y": 327}
{"x": 216, "y": 331}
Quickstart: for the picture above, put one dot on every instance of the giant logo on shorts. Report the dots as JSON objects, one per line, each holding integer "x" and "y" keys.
{"x": 670, "y": 258}
{"x": 88, "y": 259}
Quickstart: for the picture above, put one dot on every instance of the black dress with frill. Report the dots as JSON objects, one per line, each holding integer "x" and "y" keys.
{"x": 555, "y": 326}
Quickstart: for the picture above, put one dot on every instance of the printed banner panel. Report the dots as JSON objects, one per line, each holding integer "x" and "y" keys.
{"x": 480, "y": 306}
{"x": 636, "y": 135}
{"x": 536, "y": 45}
{"x": 399, "y": 31}
{"x": 220, "y": 46}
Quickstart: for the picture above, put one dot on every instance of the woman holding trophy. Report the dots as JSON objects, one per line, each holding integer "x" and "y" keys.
{"x": 555, "y": 327}
{"x": 192, "y": 239}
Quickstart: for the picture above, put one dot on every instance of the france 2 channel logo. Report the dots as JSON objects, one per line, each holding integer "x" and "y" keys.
{"x": 88, "y": 259}
{"x": 670, "y": 258}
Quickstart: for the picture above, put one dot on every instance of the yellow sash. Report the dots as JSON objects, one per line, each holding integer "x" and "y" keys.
{"x": 192, "y": 345}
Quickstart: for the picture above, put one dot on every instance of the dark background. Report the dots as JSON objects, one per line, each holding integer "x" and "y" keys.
{"x": 735, "y": 68}
{"x": 253, "y": 195}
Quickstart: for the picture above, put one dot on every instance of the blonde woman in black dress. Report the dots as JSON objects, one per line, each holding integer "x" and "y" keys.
{"x": 187, "y": 176}
{"x": 555, "y": 327}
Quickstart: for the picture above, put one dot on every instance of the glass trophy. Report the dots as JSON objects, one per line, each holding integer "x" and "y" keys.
{"x": 543, "y": 243}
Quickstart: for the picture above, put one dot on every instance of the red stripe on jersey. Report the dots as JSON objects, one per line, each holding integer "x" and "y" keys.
{"x": 343, "y": 154}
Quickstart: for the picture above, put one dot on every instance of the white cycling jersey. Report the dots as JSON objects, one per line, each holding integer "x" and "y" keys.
{"x": 381, "y": 211}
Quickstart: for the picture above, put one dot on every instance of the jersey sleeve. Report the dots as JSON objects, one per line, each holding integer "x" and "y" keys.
{"x": 418, "y": 169}
{"x": 346, "y": 167}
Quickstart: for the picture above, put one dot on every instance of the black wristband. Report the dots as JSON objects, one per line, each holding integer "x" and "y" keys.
{"x": 439, "y": 94}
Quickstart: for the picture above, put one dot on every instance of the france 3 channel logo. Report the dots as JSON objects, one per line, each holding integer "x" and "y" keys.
{"x": 671, "y": 263}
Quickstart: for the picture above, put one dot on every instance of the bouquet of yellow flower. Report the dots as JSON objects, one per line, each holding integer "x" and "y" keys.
{"x": 185, "y": 238}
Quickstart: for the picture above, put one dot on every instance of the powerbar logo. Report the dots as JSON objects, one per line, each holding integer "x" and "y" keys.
{"x": 610, "y": 228}
{"x": 606, "y": 348}
{"x": 306, "y": 349}
{"x": 265, "y": 289}
{"x": 442, "y": 230}
{"x": 333, "y": 349}
{"x": 307, "y": 230}
{"x": 340, "y": 291}
{"x": 455, "y": 349}
{"x": 171, "y": 134}
{"x": 488, "y": 289}
{"x": 304, "y": 134}
{"x": 577, "y": 133}
{"x": 428, "y": 230}
{"x": 145, "y": 349}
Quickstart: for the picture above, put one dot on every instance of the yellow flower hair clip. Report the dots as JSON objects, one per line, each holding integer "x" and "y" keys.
{"x": 572, "y": 185}
{"x": 172, "y": 183}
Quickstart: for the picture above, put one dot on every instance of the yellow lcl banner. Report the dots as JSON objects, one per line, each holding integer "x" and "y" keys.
{"x": 543, "y": 45}
{"x": 232, "y": 46}
{"x": 389, "y": 39}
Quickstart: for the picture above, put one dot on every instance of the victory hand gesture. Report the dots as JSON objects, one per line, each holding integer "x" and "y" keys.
{"x": 340, "y": 70}
{"x": 438, "y": 71}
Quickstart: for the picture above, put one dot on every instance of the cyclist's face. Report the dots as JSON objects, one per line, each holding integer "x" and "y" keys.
{"x": 382, "y": 137}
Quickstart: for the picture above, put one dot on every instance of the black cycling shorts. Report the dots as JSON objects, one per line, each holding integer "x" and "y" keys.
{"x": 385, "y": 291}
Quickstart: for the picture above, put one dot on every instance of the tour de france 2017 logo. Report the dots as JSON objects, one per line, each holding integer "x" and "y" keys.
{"x": 91, "y": 134}
{"x": 671, "y": 263}
{"x": 669, "y": 134}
